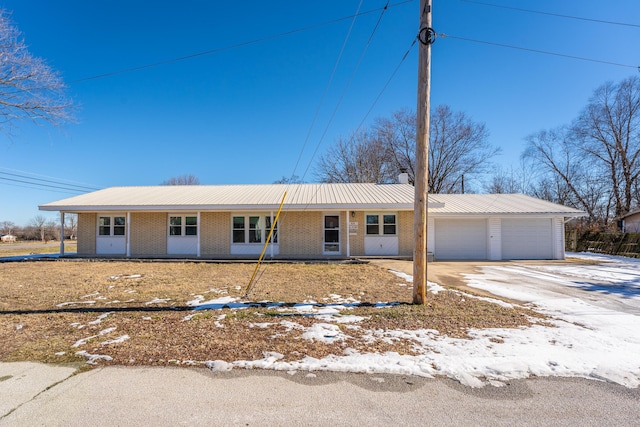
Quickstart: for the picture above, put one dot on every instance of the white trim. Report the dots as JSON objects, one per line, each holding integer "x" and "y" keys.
{"x": 111, "y": 244}
{"x": 324, "y": 243}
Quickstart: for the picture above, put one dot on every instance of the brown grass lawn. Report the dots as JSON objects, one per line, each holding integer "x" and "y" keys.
{"x": 31, "y": 247}
{"x": 137, "y": 312}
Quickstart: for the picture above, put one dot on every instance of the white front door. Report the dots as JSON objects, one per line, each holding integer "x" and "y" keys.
{"x": 111, "y": 235}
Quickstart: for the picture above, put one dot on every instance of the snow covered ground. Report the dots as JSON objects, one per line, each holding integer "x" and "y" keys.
{"x": 595, "y": 332}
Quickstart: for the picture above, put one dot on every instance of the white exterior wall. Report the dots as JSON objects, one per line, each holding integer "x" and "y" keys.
{"x": 495, "y": 239}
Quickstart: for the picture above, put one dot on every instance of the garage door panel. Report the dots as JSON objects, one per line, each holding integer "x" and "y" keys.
{"x": 461, "y": 239}
{"x": 527, "y": 238}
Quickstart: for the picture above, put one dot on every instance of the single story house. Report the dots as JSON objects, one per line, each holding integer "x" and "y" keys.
{"x": 318, "y": 221}
{"x": 8, "y": 238}
{"x": 631, "y": 222}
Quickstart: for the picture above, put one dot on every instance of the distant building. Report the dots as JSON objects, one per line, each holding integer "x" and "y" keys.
{"x": 8, "y": 238}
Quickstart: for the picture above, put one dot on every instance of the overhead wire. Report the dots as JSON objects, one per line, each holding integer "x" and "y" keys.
{"x": 326, "y": 91}
{"x": 443, "y": 35}
{"x": 312, "y": 125}
{"x": 32, "y": 180}
{"x": 601, "y": 21}
{"x": 346, "y": 88}
{"x": 233, "y": 46}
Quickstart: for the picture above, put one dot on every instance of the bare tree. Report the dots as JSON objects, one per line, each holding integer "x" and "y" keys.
{"x": 182, "y": 180}
{"x": 398, "y": 135}
{"x": 458, "y": 148}
{"x": 608, "y": 130}
{"x": 563, "y": 175}
{"x": 71, "y": 225}
{"x": 293, "y": 179}
{"x": 509, "y": 181}
{"x": 7, "y": 227}
{"x": 39, "y": 224}
{"x": 362, "y": 158}
{"x": 29, "y": 88}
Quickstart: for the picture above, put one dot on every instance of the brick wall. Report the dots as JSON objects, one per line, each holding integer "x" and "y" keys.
{"x": 148, "y": 234}
{"x": 87, "y": 227}
{"x": 356, "y": 242}
{"x": 215, "y": 234}
{"x": 300, "y": 234}
{"x": 405, "y": 233}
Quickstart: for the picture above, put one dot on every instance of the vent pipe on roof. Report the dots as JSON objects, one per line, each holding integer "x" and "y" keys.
{"x": 403, "y": 178}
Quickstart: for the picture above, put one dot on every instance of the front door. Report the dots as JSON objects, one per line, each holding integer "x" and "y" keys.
{"x": 331, "y": 233}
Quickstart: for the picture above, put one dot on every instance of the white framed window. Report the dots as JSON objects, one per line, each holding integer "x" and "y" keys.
{"x": 252, "y": 228}
{"x": 183, "y": 225}
{"x": 111, "y": 225}
{"x": 381, "y": 225}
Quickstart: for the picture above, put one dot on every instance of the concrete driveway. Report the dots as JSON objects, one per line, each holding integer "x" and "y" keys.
{"x": 605, "y": 282}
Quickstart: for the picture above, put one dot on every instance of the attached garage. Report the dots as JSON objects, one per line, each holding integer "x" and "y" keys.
{"x": 458, "y": 239}
{"x": 527, "y": 238}
{"x": 497, "y": 227}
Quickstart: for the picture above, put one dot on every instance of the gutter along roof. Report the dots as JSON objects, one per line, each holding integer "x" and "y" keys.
{"x": 260, "y": 197}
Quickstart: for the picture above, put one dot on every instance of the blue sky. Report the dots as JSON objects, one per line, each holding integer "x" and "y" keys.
{"x": 242, "y": 114}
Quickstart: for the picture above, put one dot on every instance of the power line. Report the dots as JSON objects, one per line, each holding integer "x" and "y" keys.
{"x": 41, "y": 189}
{"x": 553, "y": 14}
{"x": 538, "y": 51}
{"x": 43, "y": 185}
{"x": 346, "y": 88}
{"x": 79, "y": 187}
{"x": 234, "y": 46}
{"x": 326, "y": 90}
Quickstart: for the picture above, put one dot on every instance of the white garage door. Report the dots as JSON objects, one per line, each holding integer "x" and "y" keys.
{"x": 460, "y": 239}
{"x": 527, "y": 239}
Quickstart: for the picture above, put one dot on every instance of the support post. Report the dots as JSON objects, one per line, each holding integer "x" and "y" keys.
{"x": 61, "y": 234}
{"x": 426, "y": 37}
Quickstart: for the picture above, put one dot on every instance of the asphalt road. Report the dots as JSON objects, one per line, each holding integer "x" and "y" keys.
{"x": 34, "y": 394}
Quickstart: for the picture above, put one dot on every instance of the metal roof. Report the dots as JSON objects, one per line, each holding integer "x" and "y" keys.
{"x": 498, "y": 204}
{"x": 240, "y": 197}
{"x": 302, "y": 197}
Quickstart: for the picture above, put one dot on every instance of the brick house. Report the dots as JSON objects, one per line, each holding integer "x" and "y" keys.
{"x": 318, "y": 221}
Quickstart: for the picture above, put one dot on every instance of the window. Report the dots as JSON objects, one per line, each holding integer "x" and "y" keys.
{"x": 105, "y": 226}
{"x": 389, "y": 222}
{"x": 111, "y": 225}
{"x": 255, "y": 232}
{"x": 253, "y": 229}
{"x": 186, "y": 225}
{"x": 388, "y": 225}
{"x": 373, "y": 226}
{"x": 238, "y": 229}
{"x": 267, "y": 230}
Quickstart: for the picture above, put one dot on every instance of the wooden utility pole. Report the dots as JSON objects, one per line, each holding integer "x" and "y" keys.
{"x": 426, "y": 36}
